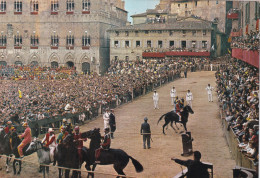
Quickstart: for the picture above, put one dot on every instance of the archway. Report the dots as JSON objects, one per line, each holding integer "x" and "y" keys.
{"x": 3, "y": 63}
{"x": 85, "y": 67}
{"x": 54, "y": 64}
{"x": 34, "y": 63}
{"x": 70, "y": 64}
{"x": 18, "y": 63}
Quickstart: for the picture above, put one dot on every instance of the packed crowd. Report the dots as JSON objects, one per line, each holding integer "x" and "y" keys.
{"x": 39, "y": 99}
{"x": 172, "y": 48}
{"x": 238, "y": 93}
{"x": 251, "y": 42}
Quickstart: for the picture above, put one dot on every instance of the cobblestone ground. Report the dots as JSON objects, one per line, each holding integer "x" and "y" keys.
{"x": 204, "y": 125}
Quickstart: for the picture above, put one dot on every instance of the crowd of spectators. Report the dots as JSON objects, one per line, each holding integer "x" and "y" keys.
{"x": 251, "y": 42}
{"x": 48, "y": 95}
{"x": 238, "y": 93}
{"x": 172, "y": 48}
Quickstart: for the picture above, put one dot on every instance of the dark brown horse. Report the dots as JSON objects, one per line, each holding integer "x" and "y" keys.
{"x": 117, "y": 157}
{"x": 171, "y": 117}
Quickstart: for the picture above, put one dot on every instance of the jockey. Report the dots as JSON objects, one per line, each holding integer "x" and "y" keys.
{"x": 79, "y": 142}
{"x": 27, "y": 138}
{"x": 62, "y": 135}
{"x": 13, "y": 135}
{"x": 8, "y": 127}
{"x": 178, "y": 109}
{"x": 50, "y": 142}
{"x": 103, "y": 146}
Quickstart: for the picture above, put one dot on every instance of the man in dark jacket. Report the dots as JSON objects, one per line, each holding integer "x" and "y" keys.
{"x": 196, "y": 169}
{"x": 146, "y": 132}
{"x": 112, "y": 123}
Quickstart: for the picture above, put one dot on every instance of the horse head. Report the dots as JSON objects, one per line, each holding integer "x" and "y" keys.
{"x": 34, "y": 146}
{"x": 188, "y": 109}
{"x": 91, "y": 133}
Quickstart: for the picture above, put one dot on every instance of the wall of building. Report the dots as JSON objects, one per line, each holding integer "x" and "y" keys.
{"x": 103, "y": 15}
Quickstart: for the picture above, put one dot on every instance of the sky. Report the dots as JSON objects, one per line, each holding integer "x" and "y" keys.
{"x": 139, "y": 6}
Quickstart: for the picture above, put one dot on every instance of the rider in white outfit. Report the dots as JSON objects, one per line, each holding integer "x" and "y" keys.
{"x": 106, "y": 118}
{"x": 173, "y": 94}
{"x": 189, "y": 98}
{"x": 210, "y": 89}
{"x": 155, "y": 99}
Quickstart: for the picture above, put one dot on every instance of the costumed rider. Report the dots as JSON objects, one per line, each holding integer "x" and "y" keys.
{"x": 62, "y": 135}
{"x": 103, "y": 146}
{"x": 27, "y": 138}
{"x": 7, "y": 128}
{"x": 79, "y": 142}
{"x": 178, "y": 109}
{"x": 13, "y": 137}
{"x": 50, "y": 141}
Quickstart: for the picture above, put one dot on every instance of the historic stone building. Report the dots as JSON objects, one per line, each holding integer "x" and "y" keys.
{"x": 163, "y": 35}
{"x": 59, "y": 32}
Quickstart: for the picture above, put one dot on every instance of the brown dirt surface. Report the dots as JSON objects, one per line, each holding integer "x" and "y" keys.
{"x": 204, "y": 125}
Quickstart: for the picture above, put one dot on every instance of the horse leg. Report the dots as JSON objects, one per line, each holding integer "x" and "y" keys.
{"x": 67, "y": 173}
{"x": 119, "y": 170}
{"x": 173, "y": 127}
{"x": 7, "y": 165}
{"x": 176, "y": 125}
{"x": 14, "y": 168}
{"x": 60, "y": 173}
{"x": 43, "y": 171}
{"x": 166, "y": 123}
{"x": 20, "y": 167}
{"x": 93, "y": 169}
{"x": 184, "y": 125}
{"x": 47, "y": 171}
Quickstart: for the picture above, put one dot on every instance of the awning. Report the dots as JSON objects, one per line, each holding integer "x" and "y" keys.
{"x": 249, "y": 56}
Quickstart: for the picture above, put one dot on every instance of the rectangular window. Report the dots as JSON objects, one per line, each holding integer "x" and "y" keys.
{"x": 54, "y": 41}
{"x": 149, "y": 43}
{"x": 18, "y": 7}
{"x": 136, "y": 33}
{"x": 204, "y": 32}
{"x": 2, "y": 6}
{"x": 70, "y": 6}
{"x": 146, "y": 31}
{"x": 18, "y": 40}
{"x": 126, "y": 33}
{"x": 179, "y": 5}
{"x": 170, "y": 33}
{"x": 184, "y": 32}
{"x": 160, "y": 44}
{"x": 183, "y": 44}
{"x": 204, "y": 44}
{"x": 171, "y": 44}
{"x": 117, "y": 33}
{"x": 193, "y": 44}
{"x": 3, "y": 41}
{"x": 196, "y": 3}
{"x": 34, "y": 41}
{"x": 186, "y": 5}
{"x": 70, "y": 42}
{"x": 54, "y": 7}
{"x": 193, "y": 32}
{"x": 34, "y": 7}
{"x": 247, "y": 13}
{"x": 126, "y": 58}
{"x": 85, "y": 40}
{"x": 137, "y": 44}
{"x": 159, "y": 31}
{"x": 115, "y": 44}
{"x": 127, "y": 44}
{"x": 85, "y": 5}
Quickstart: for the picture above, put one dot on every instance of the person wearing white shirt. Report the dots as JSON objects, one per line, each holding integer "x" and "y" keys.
{"x": 210, "y": 89}
{"x": 106, "y": 118}
{"x": 189, "y": 98}
{"x": 173, "y": 94}
{"x": 155, "y": 99}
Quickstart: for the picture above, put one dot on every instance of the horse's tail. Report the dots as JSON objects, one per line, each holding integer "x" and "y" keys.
{"x": 138, "y": 166}
{"x": 160, "y": 118}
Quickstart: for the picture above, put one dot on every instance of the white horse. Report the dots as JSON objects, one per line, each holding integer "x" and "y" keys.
{"x": 43, "y": 154}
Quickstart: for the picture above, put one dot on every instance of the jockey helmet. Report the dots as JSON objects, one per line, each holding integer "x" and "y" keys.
{"x": 64, "y": 120}
{"x": 9, "y": 122}
{"x": 76, "y": 128}
{"x": 25, "y": 124}
{"x": 50, "y": 130}
{"x": 106, "y": 129}
{"x": 12, "y": 128}
{"x": 62, "y": 128}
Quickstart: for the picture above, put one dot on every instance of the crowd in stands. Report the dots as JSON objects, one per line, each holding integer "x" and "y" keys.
{"x": 48, "y": 96}
{"x": 251, "y": 42}
{"x": 172, "y": 48}
{"x": 238, "y": 93}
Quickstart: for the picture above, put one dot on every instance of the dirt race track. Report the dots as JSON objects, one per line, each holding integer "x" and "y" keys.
{"x": 204, "y": 125}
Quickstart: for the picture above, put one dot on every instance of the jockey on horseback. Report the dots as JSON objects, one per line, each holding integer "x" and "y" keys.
{"x": 7, "y": 128}
{"x": 179, "y": 109}
{"x": 50, "y": 142}
{"x": 79, "y": 142}
{"x": 62, "y": 135}
{"x": 27, "y": 138}
{"x": 103, "y": 146}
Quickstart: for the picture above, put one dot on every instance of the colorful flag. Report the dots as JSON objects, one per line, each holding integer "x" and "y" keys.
{"x": 20, "y": 94}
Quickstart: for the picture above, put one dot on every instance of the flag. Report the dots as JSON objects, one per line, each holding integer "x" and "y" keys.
{"x": 229, "y": 51}
{"x": 20, "y": 94}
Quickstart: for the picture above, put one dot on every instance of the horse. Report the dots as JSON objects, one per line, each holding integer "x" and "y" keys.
{"x": 43, "y": 154}
{"x": 15, "y": 142}
{"x": 5, "y": 147}
{"x": 66, "y": 154}
{"x": 117, "y": 157}
{"x": 173, "y": 117}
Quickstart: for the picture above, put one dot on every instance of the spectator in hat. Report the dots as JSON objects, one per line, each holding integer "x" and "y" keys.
{"x": 146, "y": 132}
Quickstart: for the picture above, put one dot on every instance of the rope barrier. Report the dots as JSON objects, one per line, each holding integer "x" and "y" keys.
{"x": 59, "y": 167}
